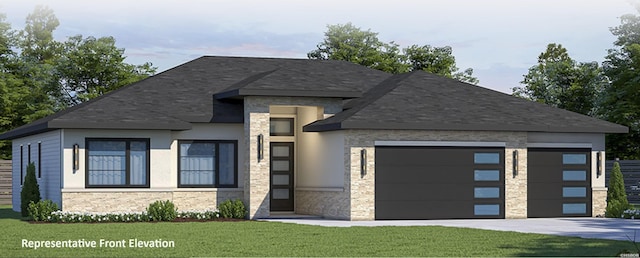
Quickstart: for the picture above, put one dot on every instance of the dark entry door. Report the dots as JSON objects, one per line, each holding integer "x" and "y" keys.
{"x": 559, "y": 183}
{"x": 281, "y": 176}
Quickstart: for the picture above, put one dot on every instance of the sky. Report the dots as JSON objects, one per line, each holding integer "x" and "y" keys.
{"x": 499, "y": 39}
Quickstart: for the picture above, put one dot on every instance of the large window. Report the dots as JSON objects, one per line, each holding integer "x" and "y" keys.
{"x": 117, "y": 163}
{"x": 208, "y": 164}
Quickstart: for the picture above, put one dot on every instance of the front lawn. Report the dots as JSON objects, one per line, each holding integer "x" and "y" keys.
{"x": 255, "y": 238}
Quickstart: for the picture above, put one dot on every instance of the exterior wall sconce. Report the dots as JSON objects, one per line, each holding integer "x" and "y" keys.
{"x": 76, "y": 157}
{"x": 260, "y": 147}
{"x": 515, "y": 163}
{"x": 599, "y": 164}
{"x": 363, "y": 162}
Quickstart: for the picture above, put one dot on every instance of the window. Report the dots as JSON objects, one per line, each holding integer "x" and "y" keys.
{"x": 574, "y": 192}
{"x": 28, "y": 154}
{"x": 574, "y": 175}
{"x": 117, "y": 163}
{"x": 281, "y": 127}
{"x": 486, "y": 158}
{"x": 208, "y": 164}
{"x": 21, "y": 164}
{"x": 574, "y": 208}
{"x": 486, "y": 209}
{"x": 574, "y": 159}
{"x": 39, "y": 160}
{"x": 486, "y": 192}
{"x": 486, "y": 175}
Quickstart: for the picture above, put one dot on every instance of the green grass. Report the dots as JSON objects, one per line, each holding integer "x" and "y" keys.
{"x": 255, "y": 238}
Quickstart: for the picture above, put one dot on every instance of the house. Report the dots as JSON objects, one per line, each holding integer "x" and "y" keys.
{"x": 327, "y": 138}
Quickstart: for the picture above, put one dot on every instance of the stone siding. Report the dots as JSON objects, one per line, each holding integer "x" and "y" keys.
{"x": 362, "y": 188}
{"x": 599, "y": 201}
{"x": 138, "y": 201}
{"x": 328, "y": 204}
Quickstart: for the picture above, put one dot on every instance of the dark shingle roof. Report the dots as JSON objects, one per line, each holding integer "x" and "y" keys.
{"x": 174, "y": 99}
{"x": 424, "y": 101}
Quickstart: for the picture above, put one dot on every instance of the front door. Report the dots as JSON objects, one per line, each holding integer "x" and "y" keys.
{"x": 281, "y": 176}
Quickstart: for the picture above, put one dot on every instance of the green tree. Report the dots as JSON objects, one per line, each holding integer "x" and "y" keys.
{"x": 622, "y": 95}
{"x": 30, "y": 190}
{"x": 43, "y": 76}
{"x": 350, "y": 43}
{"x": 560, "y": 81}
{"x": 617, "y": 201}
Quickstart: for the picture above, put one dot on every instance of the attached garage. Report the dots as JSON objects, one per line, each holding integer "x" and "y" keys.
{"x": 414, "y": 182}
{"x": 559, "y": 183}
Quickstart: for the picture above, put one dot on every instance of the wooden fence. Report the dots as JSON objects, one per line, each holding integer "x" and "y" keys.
{"x": 5, "y": 181}
{"x": 631, "y": 174}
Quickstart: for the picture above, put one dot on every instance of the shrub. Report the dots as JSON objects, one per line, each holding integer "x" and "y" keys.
{"x": 617, "y": 201}
{"x": 41, "y": 211}
{"x": 232, "y": 209}
{"x": 162, "y": 211}
{"x": 30, "y": 190}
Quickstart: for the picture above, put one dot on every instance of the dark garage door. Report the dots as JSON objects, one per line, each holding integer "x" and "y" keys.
{"x": 559, "y": 183}
{"x": 439, "y": 183}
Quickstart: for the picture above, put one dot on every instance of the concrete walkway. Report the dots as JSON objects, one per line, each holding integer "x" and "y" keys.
{"x": 601, "y": 228}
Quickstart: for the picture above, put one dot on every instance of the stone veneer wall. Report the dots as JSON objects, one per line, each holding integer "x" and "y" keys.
{"x": 138, "y": 201}
{"x": 362, "y": 188}
{"x": 256, "y": 117}
{"x": 598, "y": 201}
{"x": 328, "y": 204}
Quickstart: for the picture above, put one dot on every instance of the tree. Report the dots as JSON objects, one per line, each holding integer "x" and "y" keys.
{"x": 43, "y": 76}
{"x": 560, "y": 81}
{"x": 437, "y": 60}
{"x": 617, "y": 201}
{"x": 350, "y": 43}
{"x": 622, "y": 95}
{"x": 30, "y": 190}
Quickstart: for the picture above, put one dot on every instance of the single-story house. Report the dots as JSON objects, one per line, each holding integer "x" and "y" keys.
{"x": 327, "y": 138}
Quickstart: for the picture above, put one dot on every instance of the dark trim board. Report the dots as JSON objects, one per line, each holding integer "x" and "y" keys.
{"x": 437, "y": 183}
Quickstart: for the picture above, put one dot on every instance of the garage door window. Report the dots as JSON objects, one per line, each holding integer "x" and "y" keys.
{"x": 574, "y": 175}
{"x": 574, "y": 159}
{"x": 486, "y": 209}
{"x": 574, "y": 192}
{"x": 486, "y": 175}
{"x": 486, "y": 158}
{"x": 574, "y": 208}
{"x": 486, "y": 192}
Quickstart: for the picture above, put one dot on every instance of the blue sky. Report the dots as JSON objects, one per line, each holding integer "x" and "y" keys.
{"x": 499, "y": 39}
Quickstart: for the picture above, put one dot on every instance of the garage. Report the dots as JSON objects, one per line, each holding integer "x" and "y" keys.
{"x": 559, "y": 183}
{"x": 414, "y": 182}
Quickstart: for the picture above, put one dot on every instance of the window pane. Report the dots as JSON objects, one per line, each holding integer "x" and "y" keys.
{"x": 574, "y": 159}
{"x": 486, "y": 209}
{"x": 281, "y": 194}
{"x": 281, "y": 179}
{"x": 486, "y": 175}
{"x": 280, "y": 151}
{"x": 281, "y": 126}
{"x": 486, "y": 192}
{"x": 280, "y": 165}
{"x": 574, "y": 208}
{"x": 138, "y": 163}
{"x": 574, "y": 175}
{"x": 574, "y": 192}
{"x": 197, "y": 163}
{"x": 107, "y": 162}
{"x": 486, "y": 158}
{"x": 227, "y": 163}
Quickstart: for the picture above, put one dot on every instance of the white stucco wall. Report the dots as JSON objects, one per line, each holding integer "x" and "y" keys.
{"x": 49, "y": 181}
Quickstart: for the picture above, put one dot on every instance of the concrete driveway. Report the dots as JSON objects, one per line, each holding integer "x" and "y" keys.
{"x": 601, "y": 228}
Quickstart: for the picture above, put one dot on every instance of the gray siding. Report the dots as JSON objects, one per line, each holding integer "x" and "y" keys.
{"x": 50, "y": 163}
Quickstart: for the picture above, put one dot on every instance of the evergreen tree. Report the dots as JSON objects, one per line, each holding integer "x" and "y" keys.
{"x": 30, "y": 190}
{"x": 617, "y": 201}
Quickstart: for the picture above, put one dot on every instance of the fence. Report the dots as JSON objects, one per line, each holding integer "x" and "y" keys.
{"x": 5, "y": 181}
{"x": 631, "y": 174}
